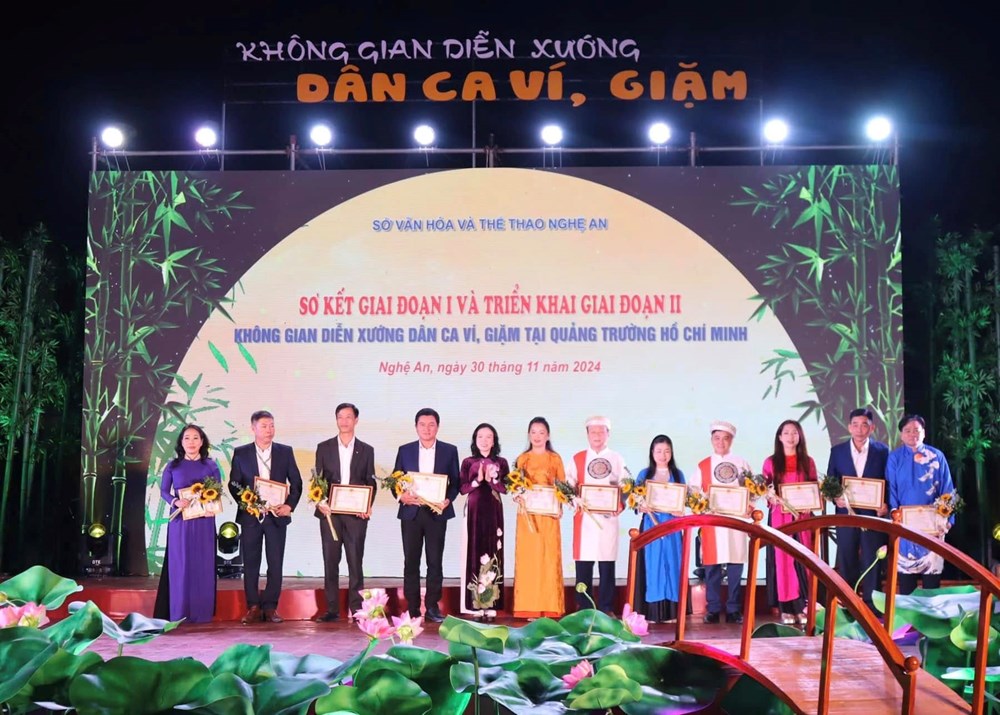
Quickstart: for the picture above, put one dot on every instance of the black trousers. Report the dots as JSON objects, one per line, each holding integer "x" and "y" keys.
{"x": 423, "y": 534}
{"x": 605, "y": 589}
{"x": 857, "y": 549}
{"x": 351, "y": 531}
{"x": 906, "y": 583}
{"x": 267, "y": 537}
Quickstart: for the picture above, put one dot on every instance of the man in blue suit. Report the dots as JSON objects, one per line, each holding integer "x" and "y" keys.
{"x": 423, "y": 529}
{"x": 266, "y": 459}
{"x": 860, "y": 456}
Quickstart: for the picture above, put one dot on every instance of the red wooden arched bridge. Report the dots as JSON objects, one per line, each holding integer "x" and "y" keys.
{"x": 825, "y": 674}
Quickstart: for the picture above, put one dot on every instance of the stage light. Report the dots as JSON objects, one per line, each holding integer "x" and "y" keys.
{"x": 659, "y": 133}
{"x": 878, "y": 129}
{"x": 206, "y": 137}
{"x": 552, "y": 134}
{"x": 424, "y": 135}
{"x": 229, "y": 535}
{"x": 113, "y": 137}
{"x": 97, "y": 539}
{"x": 228, "y": 559}
{"x": 321, "y": 135}
{"x": 775, "y": 131}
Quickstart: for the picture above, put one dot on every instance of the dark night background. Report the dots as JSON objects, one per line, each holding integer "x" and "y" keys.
{"x": 162, "y": 68}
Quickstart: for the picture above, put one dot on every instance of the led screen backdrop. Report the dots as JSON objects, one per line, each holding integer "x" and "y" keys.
{"x": 663, "y": 298}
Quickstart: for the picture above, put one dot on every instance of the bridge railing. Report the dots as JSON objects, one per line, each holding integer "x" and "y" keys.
{"x": 988, "y": 584}
{"x": 903, "y": 669}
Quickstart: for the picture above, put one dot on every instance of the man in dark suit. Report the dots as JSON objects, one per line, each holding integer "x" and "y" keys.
{"x": 344, "y": 460}
{"x": 422, "y": 528}
{"x": 864, "y": 457}
{"x": 266, "y": 459}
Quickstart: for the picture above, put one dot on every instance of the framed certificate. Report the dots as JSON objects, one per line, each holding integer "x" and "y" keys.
{"x": 803, "y": 496}
{"x": 273, "y": 493}
{"x": 921, "y": 518}
{"x": 600, "y": 499}
{"x": 864, "y": 493}
{"x": 541, "y": 499}
{"x": 194, "y": 510}
{"x": 666, "y": 498}
{"x": 350, "y": 498}
{"x": 731, "y": 501}
{"x": 430, "y": 487}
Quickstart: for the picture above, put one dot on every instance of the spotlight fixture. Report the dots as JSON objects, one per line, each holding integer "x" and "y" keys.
{"x": 878, "y": 128}
{"x": 321, "y": 135}
{"x": 659, "y": 133}
{"x": 775, "y": 131}
{"x": 552, "y": 134}
{"x": 424, "y": 135}
{"x": 113, "y": 137}
{"x": 97, "y": 540}
{"x": 228, "y": 559}
{"x": 206, "y": 137}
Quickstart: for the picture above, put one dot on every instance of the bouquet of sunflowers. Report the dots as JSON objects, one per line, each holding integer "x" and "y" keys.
{"x": 399, "y": 482}
{"x": 756, "y": 484}
{"x": 568, "y": 494}
{"x": 517, "y": 483}
{"x": 948, "y": 504}
{"x": 211, "y": 496}
{"x": 832, "y": 489}
{"x": 697, "y": 500}
{"x": 396, "y": 483}
{"x": 251, "y": 502}
{"x": 635, "y": 495}
{"x": 319, "y": 491}
{"x": 209, "y": 493}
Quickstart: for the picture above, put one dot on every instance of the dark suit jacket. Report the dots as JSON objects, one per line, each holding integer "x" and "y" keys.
{"x": 445, "y": 462}
{"x": 842, "y": 465}
{"x": 362, "y": 466}
{"x": 283, "y": 469}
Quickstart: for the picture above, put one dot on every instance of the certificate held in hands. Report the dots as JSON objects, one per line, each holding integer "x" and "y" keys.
{"x": 353, "y": 499}
{"x": 864, "y": 493}
{"x": 431, "y": 488}
{"x": 541, "y": 499}
{"x": 802, "y": 496}
{"x": 666, "y": 498}
{"x": 600, "y": 499}
{"x": 272, "y": 493}
{"x": 196, "y": 507}
{"x": 731, "y": 501}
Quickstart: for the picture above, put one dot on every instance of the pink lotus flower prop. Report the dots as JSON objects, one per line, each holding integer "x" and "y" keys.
{"x": 407, "y": 628}
{"x": 373, "y": 605}
{"x": 30, "y": 614}
{"x": 634, "y": 622}
{"x": 375, "y": 628}
{"x": 578, "y": 672}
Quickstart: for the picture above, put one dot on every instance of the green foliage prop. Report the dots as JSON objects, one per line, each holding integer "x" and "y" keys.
{"x": 522, "y": 672}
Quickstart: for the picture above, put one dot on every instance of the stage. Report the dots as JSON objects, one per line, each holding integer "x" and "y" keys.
{"x": 303, "y": 598}
{"x": 861, "y": 682}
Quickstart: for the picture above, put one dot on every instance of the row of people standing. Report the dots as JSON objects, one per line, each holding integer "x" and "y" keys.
{"x": 538, "y": 577}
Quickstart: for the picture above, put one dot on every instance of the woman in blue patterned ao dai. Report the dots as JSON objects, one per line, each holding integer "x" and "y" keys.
{"x": 918, "y": 474}
{"x": 658, "y": 566}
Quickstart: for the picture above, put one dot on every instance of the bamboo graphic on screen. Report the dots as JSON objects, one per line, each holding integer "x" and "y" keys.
{"x": 140, "y": 222}
{"x": 838, "y": 272}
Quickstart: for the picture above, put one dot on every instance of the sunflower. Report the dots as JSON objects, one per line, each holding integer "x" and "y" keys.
{"x": 197, "y": 487}
{"x": 562, "y": 497}
{"x": 626, "y": 486}
{"x": 944, "y": 510}
{"x": 316, "y": 493}
{"x": 209, "y": 494}
{"x": 246, "y": 497}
